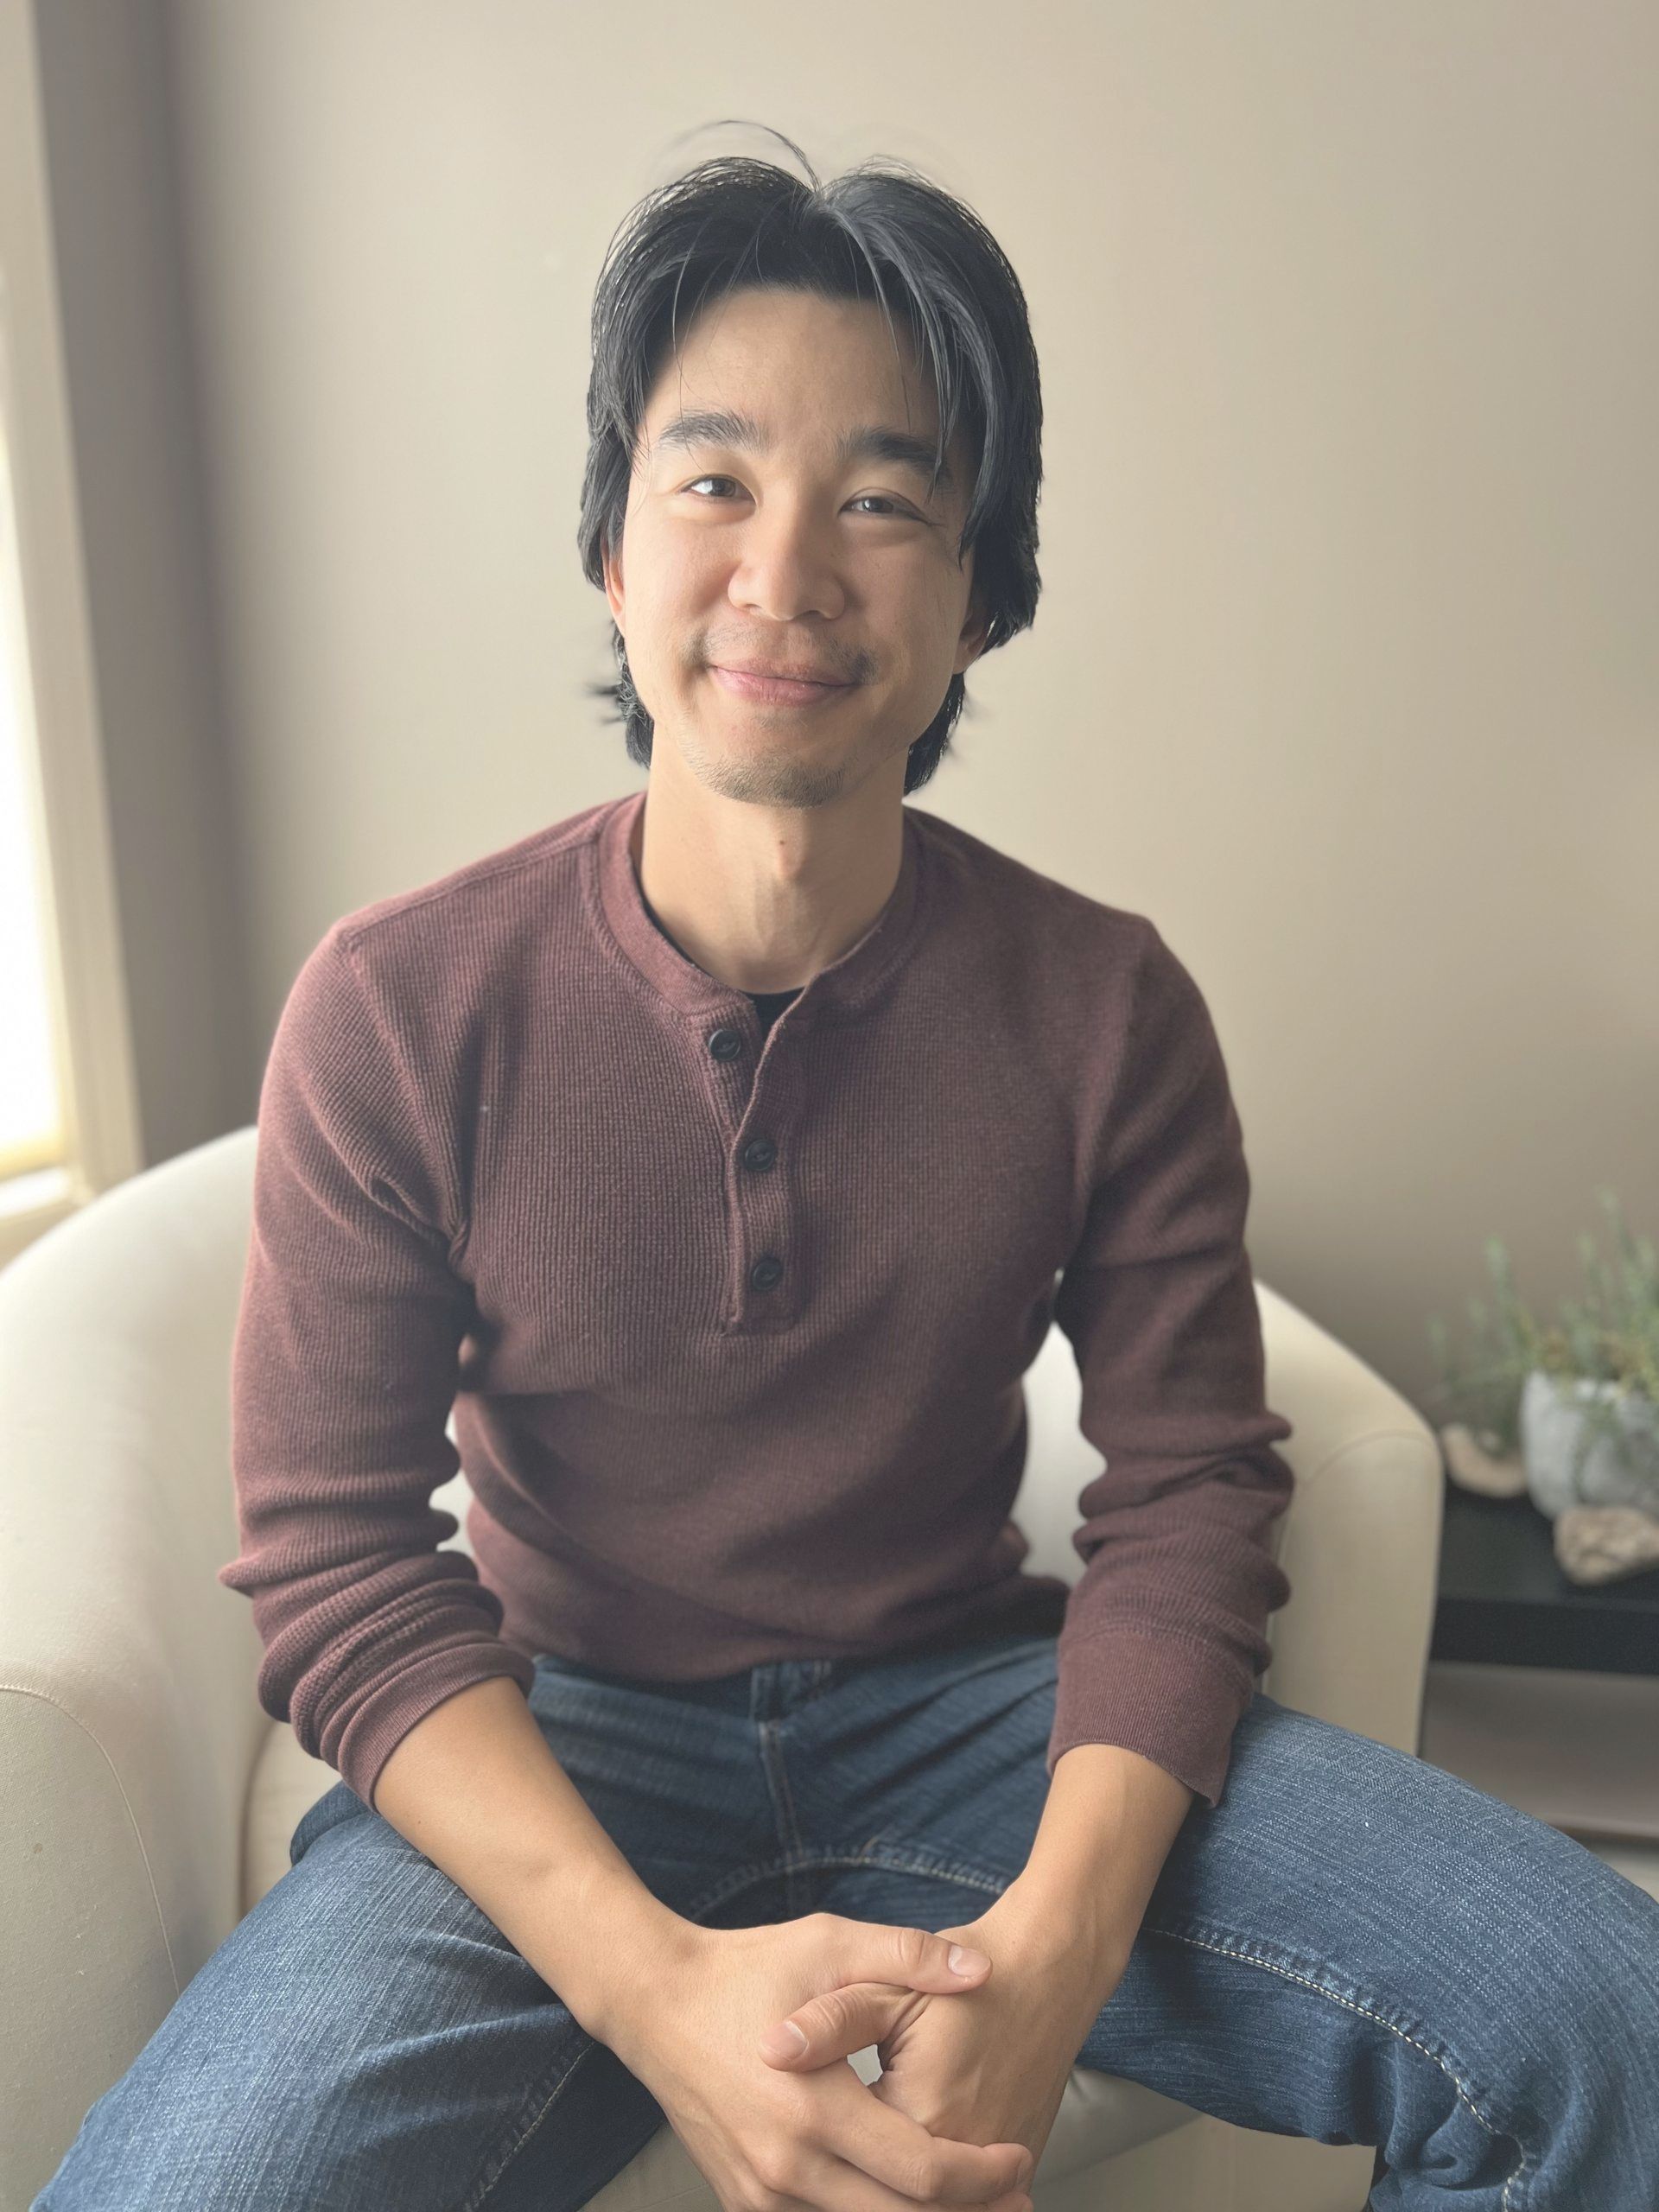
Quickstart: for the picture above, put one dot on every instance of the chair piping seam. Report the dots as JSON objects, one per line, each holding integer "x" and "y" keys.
{"x": 1358, "y": 1444}
{"x": 22, "y": 1689}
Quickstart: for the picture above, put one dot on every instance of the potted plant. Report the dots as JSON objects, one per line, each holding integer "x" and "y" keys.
{"x": 1575, "y": 1397}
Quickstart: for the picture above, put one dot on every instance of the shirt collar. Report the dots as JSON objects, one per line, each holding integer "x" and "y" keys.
{"x": 835, "y": 993}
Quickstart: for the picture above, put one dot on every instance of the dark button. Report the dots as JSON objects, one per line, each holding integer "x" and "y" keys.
{"x": 759, "y": 1152}
{"x": 725, "y": 1044}
{"x": 767, "y": 1272}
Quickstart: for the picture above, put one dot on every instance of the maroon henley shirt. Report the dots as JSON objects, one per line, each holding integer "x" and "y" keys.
{"x": 732, "y": 1319}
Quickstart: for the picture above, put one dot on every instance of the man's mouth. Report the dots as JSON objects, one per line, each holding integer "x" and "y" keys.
{"x": 779, "y": 691}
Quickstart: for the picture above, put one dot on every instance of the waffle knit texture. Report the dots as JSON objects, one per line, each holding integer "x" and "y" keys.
{"x": 729, "y": 1320}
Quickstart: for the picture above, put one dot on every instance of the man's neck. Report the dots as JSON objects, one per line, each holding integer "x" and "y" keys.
{"x": 763, "y": 898}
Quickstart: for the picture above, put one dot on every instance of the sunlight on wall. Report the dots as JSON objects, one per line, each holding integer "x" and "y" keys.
{"x": 32, "y": 1134}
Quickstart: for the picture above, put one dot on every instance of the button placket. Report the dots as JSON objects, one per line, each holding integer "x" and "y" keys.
{"x": 762, "y": 1278}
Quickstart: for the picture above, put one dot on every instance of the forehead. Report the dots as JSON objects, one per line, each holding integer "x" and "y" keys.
{"x": 777, "y": 362}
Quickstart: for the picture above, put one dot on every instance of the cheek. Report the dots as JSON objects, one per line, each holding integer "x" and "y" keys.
{"x": 664, "y": 569}
{"x": 949, "y": 593}
{"x": 922, "y": 631}
{"x": 688, "y": 591}
{"x": 926, "y": 594}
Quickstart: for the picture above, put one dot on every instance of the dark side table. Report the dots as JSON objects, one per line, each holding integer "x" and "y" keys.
{"x": 1504, "y": 1600}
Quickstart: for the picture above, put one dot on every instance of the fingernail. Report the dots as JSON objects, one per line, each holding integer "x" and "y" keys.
{"x": 784, "y": 2039}
{"x": 961, "y": 1961}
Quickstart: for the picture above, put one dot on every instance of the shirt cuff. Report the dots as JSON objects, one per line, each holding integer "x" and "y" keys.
{"x": 381, "y": 1722}
{"x": 1167, "y": 1696}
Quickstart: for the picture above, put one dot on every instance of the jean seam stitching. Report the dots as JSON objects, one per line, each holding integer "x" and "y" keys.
{"x": 783, "y": 1802}
{"x": 910, "y": 1862}
{"x": 806, "y": 1861}
{"x": 476, "y": 2195}
{"x": 1508, "y": 2203}
{"x": 734, "y": 1884}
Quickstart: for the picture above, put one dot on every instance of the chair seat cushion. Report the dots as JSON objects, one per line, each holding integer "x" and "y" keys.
{"x": 285, "y": 1784}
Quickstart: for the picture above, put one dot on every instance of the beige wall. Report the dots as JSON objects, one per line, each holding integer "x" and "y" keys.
{"x": 1345, "y": 670}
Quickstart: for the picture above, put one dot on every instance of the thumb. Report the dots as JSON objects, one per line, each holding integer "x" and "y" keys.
{"x": 855, "y": 2010}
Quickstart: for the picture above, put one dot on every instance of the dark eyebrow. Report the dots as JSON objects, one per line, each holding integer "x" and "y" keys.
{"x": 721, "y": 426}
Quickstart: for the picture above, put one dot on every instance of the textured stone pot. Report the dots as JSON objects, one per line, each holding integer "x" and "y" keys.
{"x": 1615, "y": 1471}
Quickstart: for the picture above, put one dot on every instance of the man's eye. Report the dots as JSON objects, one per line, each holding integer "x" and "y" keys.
{"x": 879, "y": 498}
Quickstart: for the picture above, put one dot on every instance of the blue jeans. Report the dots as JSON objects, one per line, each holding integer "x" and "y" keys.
{"x": 1353, "y": 1946}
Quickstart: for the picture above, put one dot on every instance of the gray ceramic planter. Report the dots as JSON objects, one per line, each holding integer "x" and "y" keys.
{"x": 1615, "y": 1471}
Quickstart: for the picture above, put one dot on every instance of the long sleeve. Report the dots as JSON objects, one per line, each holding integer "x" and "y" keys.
{"x": 343, "y": 1375}
{"x": 1165, "y": 1629}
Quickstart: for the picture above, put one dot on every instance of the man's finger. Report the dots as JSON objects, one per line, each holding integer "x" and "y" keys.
{"x": 836, "y": 2024}
{"x": 888, "y": 2144}
{"x": 873, "y": 1950}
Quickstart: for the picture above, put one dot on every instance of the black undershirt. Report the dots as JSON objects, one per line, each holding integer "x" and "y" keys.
{"x": 767, "y": 1004}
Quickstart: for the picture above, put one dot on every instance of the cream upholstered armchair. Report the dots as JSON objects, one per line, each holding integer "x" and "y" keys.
{"x": 146, "y": 1801}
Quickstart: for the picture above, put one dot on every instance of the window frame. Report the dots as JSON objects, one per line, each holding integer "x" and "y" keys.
{"x": 63, "y": 735}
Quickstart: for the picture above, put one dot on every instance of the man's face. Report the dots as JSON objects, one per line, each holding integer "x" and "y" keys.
{"x": 795, "y": 553}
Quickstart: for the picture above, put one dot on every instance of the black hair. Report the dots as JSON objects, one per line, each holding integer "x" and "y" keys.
{"x": 881, "y": 231}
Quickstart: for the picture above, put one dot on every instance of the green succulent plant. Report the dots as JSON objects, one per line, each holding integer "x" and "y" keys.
{"x": 1609, "y": 1332}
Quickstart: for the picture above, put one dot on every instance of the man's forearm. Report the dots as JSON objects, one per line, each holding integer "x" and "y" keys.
{"x": 475, "y": 1787}
{"x": 1108, "y": 1822}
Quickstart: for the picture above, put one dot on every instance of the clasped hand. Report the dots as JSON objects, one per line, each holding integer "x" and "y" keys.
{"x": 976, "y": 2065}
{"x": 986, "y": 2063}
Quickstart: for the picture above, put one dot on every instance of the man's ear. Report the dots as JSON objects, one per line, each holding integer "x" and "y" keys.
{"x": 975, "y": 625}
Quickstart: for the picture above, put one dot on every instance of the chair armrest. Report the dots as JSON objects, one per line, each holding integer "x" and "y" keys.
{"x": 128, "y": 1722}
{"x": 1361, "y": 1540}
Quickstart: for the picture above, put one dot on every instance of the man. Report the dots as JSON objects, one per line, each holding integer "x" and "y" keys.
{"x": 721, "y": 1154}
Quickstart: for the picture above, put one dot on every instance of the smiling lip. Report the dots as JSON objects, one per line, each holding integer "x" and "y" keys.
{"x": 780, "y": 690}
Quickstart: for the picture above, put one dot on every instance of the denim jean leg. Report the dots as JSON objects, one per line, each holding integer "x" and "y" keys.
{"x": 365, "y": 2040}
{"x": 1420, "y": 1965}
{"x": 1352, "y": 1946}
